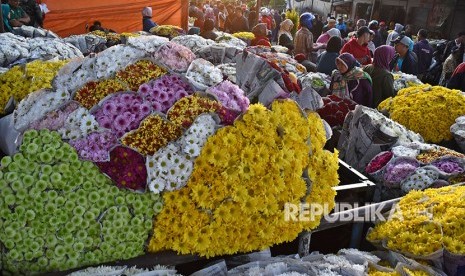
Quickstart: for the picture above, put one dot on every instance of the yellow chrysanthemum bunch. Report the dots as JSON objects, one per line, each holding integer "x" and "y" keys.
{"x": 244, "y": 35}
{"x": 245, "y": 175}
{"x": 20, "y": 81}
{"x": 428, "y": 110}
{"x": 426, "y": 222}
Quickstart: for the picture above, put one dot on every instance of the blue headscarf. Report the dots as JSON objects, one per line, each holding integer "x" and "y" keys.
{"x": 306, "y": 20}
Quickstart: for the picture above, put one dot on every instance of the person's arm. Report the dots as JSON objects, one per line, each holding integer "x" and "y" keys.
{"x": 25, "y": 19}
{"x": 388, "y": 87}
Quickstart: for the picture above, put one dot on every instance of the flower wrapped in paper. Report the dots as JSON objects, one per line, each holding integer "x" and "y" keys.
{"x": 229, "y": 190}
{"x": 20, "y": 81}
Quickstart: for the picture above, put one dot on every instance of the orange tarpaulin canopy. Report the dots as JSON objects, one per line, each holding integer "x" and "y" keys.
{"x": 67, "y": 17}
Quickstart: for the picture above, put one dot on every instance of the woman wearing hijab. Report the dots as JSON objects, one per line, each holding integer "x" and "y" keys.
{"x": 379, "y": 71}
{"x": 284, "y": 34}
{"x": 147, "y": 21}
{"x": 324, "y": 38}
{"x": 261, "y": 38}
{"x": 326, "y": 62}
{"x": 350, "y": 81}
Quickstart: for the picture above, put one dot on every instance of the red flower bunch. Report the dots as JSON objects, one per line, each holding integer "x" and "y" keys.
{"x": 335, "y": 109}
{"x": 126, "y": 167}
{"x": 379, "y": 162}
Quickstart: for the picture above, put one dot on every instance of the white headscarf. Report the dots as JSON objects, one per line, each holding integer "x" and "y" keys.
{"x": 334, "y": 32}
{"x": 147, "y": 11}
{"x": 285, "y": 28}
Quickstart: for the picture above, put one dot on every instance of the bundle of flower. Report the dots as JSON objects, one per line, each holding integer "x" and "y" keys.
{"x": 12, "y": 48}
{"x": 416, "y": 166}
{"x": 87, "y": 43}
{"x": 96, "y": 146}
{"x": 458, "y": 131}
{"x": 403, "y": 80}
{"x": 55, "y": 119}
{"x": 219, "y": 53}
{"x": 428, "y": 110}
{"x": 60, "y": 213}
{"x": 317, "y": 81}
{"x": 165, "y": 91}
{"x": 126, "y": 168}
{"x": 246, "y": 36}
{"x": 168, "y": 31}
{"x": 47, "y": 49}
{"x": 230, "y": 96}
{"x": 31, "y": 32}
{"x": 139, "y": 73}
{"x": 153, "y": 133}
{"x": 114, "y": 38}
{"x": 148, "y": 44}
{"x": 229, "y": 71}
{"x": 184, "y": 111}
{"x": 105, "y": 65}
{"x": 203, "y": 74}
{"x": 174, "y": 56}
{"x": 170, "y": 167}
{"x": 128, "y": 271}
{"x": 193, "y": 42}
{"x": 366, "y": 133}
{"x": 93, "y": 92}
{"x": 229, "y": 40}
{"x": 19, "y": 81}
{"x": 335, "y": 109}
{"x": 234, "y": 199}
{"x": 282, "y": 63}
{"x": 37, "y": 105}
{"x": 122, "y": 112}
{"x": 78, "y": 124}
{"x": 425, "y": 223}
{"x": 285, "y": 62}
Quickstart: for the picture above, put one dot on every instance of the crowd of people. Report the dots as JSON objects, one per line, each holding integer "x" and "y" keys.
{"x": 360, "y": 58}
{"x": 16, "y": 13}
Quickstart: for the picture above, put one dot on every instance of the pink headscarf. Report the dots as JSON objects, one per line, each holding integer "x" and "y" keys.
{"x": 383, "y": 56}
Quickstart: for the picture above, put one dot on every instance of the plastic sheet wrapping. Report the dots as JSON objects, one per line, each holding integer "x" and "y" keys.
{"x": 10, "y": 139}
{"x": 366, "y": 132}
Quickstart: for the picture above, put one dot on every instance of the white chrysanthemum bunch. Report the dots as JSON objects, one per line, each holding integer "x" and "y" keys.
{"x": 78, "y": 124}
{"x": 170, "y": 167}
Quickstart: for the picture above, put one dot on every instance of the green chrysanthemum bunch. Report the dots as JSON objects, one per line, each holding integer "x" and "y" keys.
{"x": 58, "y": 212}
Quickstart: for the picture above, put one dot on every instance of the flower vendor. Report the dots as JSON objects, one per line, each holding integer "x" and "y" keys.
{"x": 260, "y": 31}
{"x": 16, "y": 16}
{"x": 324, "y": 38}
{"x": 237, "y": 23}
{"x": 326, "y": 62}
{"x": 424, "y": 52}
{"x": 457, "y": 81}
{"x": 147, "y": 21}
{"x": 383, "y": 80}
{"x": 207, "y": 31}
{"x": 449, "y": 65}
{"x": 404, "y": 61}
{"x": 350, "y": 81}
{"x": 358, "y": 46}
{"x": 284, "y": 34}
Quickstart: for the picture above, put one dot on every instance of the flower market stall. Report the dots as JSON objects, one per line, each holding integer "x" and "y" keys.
{"x": 147, "y": 142}
{"x": 127, "y": 151}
